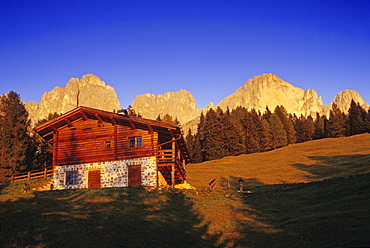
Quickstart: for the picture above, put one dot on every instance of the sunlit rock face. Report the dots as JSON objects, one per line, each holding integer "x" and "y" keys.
{"x": 268, "y": 90}
{"x": 89, "y": 91}
{"x": 180, "y": 105}
{"x": 343, "y": 100}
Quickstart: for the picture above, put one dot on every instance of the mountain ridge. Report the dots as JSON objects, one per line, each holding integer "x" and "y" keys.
{"x": 259, "y": 92}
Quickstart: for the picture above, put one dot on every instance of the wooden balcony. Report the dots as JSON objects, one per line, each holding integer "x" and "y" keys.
{"x": 167, "y": 161}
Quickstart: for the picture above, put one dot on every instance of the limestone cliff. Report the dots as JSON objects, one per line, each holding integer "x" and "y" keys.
{"x": 90, "y": 91}
{"x": 180, "y": 105}
{"x": 268, "y": 90}
{"x": 343, "y": 100}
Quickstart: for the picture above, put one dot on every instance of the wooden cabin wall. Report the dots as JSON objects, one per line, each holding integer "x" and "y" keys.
{"x": 86, "y": 142}
{"x": 149, "y": 140}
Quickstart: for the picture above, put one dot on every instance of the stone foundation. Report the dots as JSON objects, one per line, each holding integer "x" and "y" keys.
{"x": 112, "y": 173}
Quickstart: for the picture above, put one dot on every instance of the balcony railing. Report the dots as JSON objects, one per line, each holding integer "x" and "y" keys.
{"x": 167, "y": 157}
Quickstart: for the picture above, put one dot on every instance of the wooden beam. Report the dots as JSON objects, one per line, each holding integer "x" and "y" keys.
{"x": 113, "y": 121}
{"x": 173, "y": 164}
{"x": 151, "y": 130}
{"x": 68, "y": 122}
{"x": 48, "y": 133}
{"x": 115, "y": 141}
{"x": 84, "y": 116}
{"x": 132, "y": 125}
{"x": 99, "y": 118}
{"x": 172, "y": 135}
{"x": 55, "y": 149}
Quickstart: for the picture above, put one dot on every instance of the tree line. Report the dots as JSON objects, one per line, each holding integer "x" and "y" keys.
{"x": 241, "y": 131}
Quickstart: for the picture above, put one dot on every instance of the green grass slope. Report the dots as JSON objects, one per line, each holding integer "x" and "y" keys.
{"x": 329, "y": 213}
{"x": 114, "y": 217}
{"x": 324, "y": 202}
{"x": 304, "y": 162}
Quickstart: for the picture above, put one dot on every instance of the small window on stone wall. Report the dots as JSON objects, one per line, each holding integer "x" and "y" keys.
{"x": 72, "y": 177}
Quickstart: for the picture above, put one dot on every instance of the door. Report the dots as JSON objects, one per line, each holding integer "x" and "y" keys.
{"x": 94, "y": 179}
{"x": 134, "y": 175}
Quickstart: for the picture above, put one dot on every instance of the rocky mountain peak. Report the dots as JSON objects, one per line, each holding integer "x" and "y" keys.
{"x": 268, "y": 90}
{"x": 180, "y": 105}
{"x": 90, "y": 79}
{"x": 265, "y": 80}
{"x": 89, "y": 91}
{"x": 343, "y": 100}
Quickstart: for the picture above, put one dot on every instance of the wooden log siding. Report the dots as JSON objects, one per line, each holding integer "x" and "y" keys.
{"x": 85, "y": 142}
{"x": 148, "y": 143}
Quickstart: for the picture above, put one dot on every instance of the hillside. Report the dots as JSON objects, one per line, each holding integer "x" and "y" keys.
{"x": 304, "y": 162}
{"x": 333, "y": 212}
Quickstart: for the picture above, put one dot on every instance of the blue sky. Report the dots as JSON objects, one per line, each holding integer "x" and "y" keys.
{"x": 209, "y": 48}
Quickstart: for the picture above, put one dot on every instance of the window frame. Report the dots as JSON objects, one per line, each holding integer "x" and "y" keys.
{"x": 135, "y": 142}
{"x": 71, "y": 178}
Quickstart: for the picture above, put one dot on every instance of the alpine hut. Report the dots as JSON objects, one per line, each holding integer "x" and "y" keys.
{"x": 96, "y": 149}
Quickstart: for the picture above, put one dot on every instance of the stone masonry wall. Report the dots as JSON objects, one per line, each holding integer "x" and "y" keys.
{"x": 113, "y": 173}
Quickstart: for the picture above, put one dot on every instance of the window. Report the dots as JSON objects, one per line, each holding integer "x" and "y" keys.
{"x": 108, "y": 144}
{"x": 72, "y": 177}
{"x": 135, "y": 142}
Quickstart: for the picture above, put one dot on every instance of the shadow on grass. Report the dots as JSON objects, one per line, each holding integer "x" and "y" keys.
{"x": 117, "y": 217}
{"x": 330, "y": 213}
{"x": 337, "y": 166}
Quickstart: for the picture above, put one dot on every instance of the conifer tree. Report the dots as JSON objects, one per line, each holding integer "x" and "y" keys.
{"x": 309, "y": 128}
{"x": 232, "y": 139}
{"x": 278, "y": 134}
{"x": 367, "y": 121}
{"x": 198, "y": 149}
{"x": 337, "y": 122}
{"x": 320, "y": 123}
{"x": 44, "y": 150}
{"x": 190, "y": 143}
{"x": 304, "y": 128}
{"x": 15, "y": 142}
{"x": 266, "y": 137}
{"x": 267, "y": 114}
{"x": 298, "y": 126}
{"x": 237, "y": 118}
{"x": 356, "y": 121}
{"x": 287, "y": 122}
{"x": 254, "y": 132}
{"x": 213, "y": 137}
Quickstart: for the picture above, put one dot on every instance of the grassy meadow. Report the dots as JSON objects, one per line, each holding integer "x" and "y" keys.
{"x": 314, "y": 194}
{"x": 296, "y": 163}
